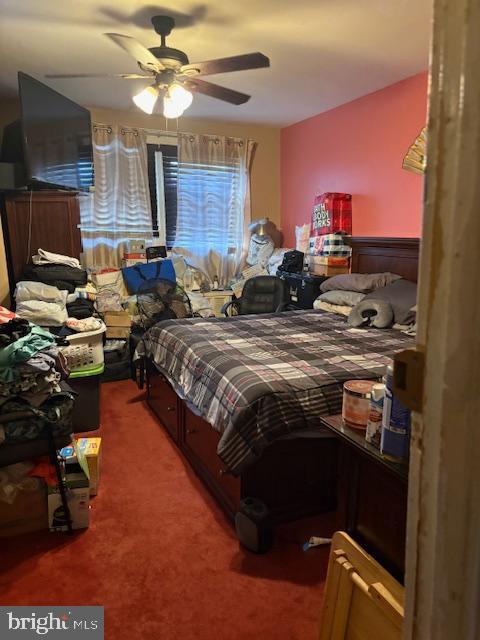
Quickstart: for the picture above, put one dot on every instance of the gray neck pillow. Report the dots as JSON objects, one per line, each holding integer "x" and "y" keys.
{"x": 376, "y": 313}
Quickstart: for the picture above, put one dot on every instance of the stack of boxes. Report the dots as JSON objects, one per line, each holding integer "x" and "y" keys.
{"x": 118, "y": 324}
{"x": 82, "y": 463}
{"x": 331, "y": 221}
{"x": 135, "y": 254}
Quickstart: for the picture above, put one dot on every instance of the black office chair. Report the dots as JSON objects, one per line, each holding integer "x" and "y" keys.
{"x": 261, "y": 294}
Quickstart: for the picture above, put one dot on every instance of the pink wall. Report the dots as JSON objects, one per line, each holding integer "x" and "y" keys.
{"x": 358, "y": 148}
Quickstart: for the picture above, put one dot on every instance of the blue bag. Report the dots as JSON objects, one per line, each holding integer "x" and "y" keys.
{"x": 134, "y": 276}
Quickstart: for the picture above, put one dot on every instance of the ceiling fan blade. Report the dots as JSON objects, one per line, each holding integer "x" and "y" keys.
{"x": 216, "y": 91}
{"x": 125, "y": 76}
{"x": 226, "y": 65}
{"x": 140, "y": 53}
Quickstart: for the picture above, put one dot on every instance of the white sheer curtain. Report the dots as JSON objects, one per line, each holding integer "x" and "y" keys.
{"x": 213, "y": 210}
{"x": 119, "y": 209}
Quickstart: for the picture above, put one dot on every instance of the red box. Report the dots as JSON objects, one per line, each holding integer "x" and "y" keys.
{"x": 332, "y": 212}
{"x": 134, "y": 256}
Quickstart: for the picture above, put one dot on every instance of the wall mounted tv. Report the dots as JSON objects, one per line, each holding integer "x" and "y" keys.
{"x": 53, "y": 139}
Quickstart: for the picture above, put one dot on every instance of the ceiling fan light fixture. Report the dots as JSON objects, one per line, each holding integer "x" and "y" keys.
{"x": 171, "y": 109}
{"x": 146, "y": 99}
{"x": 179, "y": 95}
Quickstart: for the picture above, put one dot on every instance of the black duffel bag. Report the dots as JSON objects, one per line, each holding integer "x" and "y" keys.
{"x": 58, "y": 275}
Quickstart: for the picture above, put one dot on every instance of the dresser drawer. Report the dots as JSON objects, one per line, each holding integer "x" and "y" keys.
{"x": 200, "y": 441}
{"x": 165, "y": 403}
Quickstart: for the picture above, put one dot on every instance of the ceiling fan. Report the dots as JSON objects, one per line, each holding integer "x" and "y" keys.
{"x": 173, "y": 74}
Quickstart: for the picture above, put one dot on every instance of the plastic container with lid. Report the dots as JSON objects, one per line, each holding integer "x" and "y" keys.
{"x": 396, "y": 419}
{"x": 356, "y": 402}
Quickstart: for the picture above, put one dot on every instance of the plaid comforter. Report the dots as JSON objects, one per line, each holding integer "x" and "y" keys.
{"x": 259, "y": 378}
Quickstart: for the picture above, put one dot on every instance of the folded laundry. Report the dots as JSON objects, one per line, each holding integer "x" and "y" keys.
{"x": 85, "y": 324}
{"x": 81, "y": 293}
{"x": 47, "y": 257}
{"x": 41, "y": 303}
{"x": 45, "y": 314}
{"x": 59, "y": 275}
{"x": 31, "y": 290}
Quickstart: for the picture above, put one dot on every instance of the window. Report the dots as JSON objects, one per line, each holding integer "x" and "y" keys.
{"x": 211, "y": 216}
{"x": 167, "y": 216}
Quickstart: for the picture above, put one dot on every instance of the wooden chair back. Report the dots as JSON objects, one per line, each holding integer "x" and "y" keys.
{"x": 362, "y": 600}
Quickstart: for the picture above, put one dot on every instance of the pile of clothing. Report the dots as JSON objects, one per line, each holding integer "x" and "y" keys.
{"x": 33, "y": 396}
{"x": 55, "y": 289}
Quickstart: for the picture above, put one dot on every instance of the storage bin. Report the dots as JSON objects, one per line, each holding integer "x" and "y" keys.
{"x": 86, "y": 412}
{"x": 304, "y": 289}
{"x": 85, "y": 351}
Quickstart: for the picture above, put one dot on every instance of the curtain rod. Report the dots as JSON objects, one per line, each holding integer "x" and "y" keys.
{"x": 160, "y": 134}
{"x": 149, "y": 132}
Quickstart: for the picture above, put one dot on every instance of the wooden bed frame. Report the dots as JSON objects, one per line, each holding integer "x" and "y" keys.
{"x": 295, "y": 477}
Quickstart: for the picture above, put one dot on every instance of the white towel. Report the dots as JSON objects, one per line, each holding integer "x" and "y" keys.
{"x": 46, "y": 257}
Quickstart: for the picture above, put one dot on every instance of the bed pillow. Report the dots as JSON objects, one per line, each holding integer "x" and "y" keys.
{"x": 338, "y": 296}
{"x": 402, "y": 295}
{"x": 360, "y": 282}
{"x": 377, "y": 313}
{"x": 342, "y": 310}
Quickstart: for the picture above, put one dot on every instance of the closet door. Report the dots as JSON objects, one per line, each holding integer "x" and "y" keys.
{"x": 39, "y": 219}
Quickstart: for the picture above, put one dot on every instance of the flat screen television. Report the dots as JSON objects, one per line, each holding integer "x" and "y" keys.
{"x": 56, "y": 138}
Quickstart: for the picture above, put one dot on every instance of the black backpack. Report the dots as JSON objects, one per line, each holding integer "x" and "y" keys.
{"x": 292, "y": 262}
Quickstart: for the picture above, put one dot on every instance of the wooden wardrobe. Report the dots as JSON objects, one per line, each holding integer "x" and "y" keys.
{"x": 39, "y": 219}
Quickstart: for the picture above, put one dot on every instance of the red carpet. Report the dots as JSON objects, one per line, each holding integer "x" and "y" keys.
{"x": 159, "y": 554}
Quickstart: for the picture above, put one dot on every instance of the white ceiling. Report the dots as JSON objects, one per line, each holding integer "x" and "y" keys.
{"x": 323, "y": 52}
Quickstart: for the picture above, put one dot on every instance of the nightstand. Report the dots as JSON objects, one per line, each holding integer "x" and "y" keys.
{"x": 217, "y": 298}
{"x": 371, "y": 496}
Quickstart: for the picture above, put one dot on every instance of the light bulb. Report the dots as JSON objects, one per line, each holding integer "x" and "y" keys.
{"x": 146, "y": 99}
{"x": 171, "y": 109}
{"x": 180, "y": 95}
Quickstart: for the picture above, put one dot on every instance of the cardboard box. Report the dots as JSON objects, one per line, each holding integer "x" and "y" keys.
{"x": 28, "y": 511}
{"x": 121, "y": 333}
{"x": 321, "y": 270}
{"x": 328, "y": 266}
{"x": 134, "y": 256}
{"x": 132, "y": 263}
{"x": 329, "y": 261}
{"x": 78, "y": 496}
{"x": 117, "y": 319}
{"x": 135, "y": 246}
{"x": 89, "y": 451}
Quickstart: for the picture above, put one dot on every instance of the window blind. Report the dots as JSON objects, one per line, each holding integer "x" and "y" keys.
{"x": 218, "y": 188}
